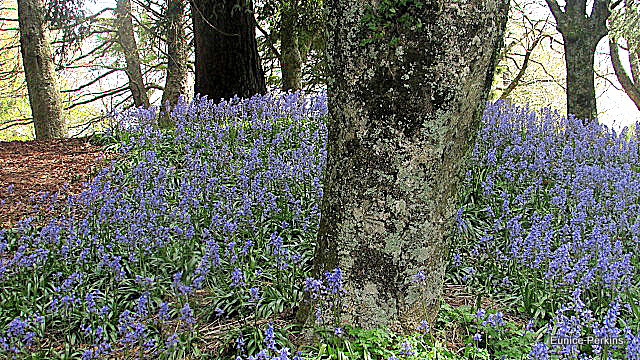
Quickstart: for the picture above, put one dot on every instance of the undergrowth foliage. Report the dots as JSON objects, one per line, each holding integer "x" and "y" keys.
{"x": 197, "y": 243}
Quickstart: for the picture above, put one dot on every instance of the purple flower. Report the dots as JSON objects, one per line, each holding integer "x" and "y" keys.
{"x": 334, "y": 281}
{"x": 420, "y": 276}
{"x": 187, "y": 315}
{"x": 406, "y": 349}
{"x": 270, "y": 337}
{"x": 237, "y": 278}
{"x": 254, "y": 294}
{"x": 424, "y": 326}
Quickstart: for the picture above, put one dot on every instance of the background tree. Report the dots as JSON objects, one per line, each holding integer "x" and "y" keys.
{"x": 177, "y": 53}
{"x": 226, "y": 52}
{"x": 401, "y": 120}
{"x": 290, "y": 59}
{"x": 625, "y": 25}
{"x": 300, "y": 23}
{"x": 581, "y": 33}
{"x": 293, "y": 45}
{"x": 40, "y": 76}
{"x": 90, "y": 63}
{"x": 630, "y": 81}
{"x": 127, "y": 40}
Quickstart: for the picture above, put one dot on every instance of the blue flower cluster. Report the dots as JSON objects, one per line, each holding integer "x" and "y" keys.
{"x": 220, "y": 212}
{"x": 216, "y": 220}
{"x": 551, "y": 214}
{"x": 327, "y": 298}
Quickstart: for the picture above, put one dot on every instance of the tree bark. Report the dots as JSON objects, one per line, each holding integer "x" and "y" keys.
{"x": 634, "y": 60}
{"x": 176, "y": 82}
{"x": 581, "y": 33}
{"x": 290, "y": 59}
{"x": 227, "y": 61}
{"x": 127, "y": 40}
{"x": 631, "y": 87}
{"x": 40, "y": 76}
{"x": 581, "y": 92}
{"x": 405, "y": 103}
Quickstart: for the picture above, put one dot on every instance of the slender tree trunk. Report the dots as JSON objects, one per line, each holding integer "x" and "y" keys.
{"x": 176, "y": 83}
{"x": 405, "y": 103}
{"x": 630, "y": 86}
{"x": 227, "y": 61}
{"x": 41, "y": 80}
{"x": 127, "y": 40}
{"x": 581, "y": 92}
{"x": 290, "y": 59}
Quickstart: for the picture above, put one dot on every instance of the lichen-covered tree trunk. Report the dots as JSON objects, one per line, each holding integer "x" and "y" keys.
{"x": 405, "y": 103}
{"x": 176, "y": 82}
{"x": 127, "y": 40}
{"x": 46, "y": 108}
{"x": 581, "y": 92}
{"x": 227, "y": 61}
{"x": 290, "y": 58}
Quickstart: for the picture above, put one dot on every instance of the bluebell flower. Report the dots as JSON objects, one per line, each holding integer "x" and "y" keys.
{"x": 406, "y": 349}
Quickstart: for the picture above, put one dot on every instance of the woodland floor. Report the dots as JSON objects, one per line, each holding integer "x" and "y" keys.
{"x": 32, "y": 171}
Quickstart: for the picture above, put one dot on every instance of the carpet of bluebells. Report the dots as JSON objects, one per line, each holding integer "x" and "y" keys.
{"x": 197, "y": 243}
{"x": 211, "y": 222}
{"x": 551, "y": 221}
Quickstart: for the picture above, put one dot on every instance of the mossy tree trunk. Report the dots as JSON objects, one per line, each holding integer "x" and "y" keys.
{"x": 176, "y": 82}
{"x": 581, "y": 33}
{"x": 42, "y": 85}
{"x": 407, "y": 89}
{"x": 227, "y": 61}
{"x": 127, "y": 40}
{"x": 290, "y": 58}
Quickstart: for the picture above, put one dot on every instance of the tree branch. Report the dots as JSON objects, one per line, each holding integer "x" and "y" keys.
{"x": 90, "y": 82}
{"x": 523, "y": 69}
{"x": 555, "y": 10}
{"x": 267, "y": 37}
{"x": 103, "y": 95}
{"x": 627, "y": 84}
{"x": 16, "y": 122}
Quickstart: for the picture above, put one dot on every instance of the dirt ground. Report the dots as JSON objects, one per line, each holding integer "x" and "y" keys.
{"x": 31, "y": 171}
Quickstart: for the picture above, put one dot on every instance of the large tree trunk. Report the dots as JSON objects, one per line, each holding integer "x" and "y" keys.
{"x": 290, "y": 58}
{"x": 41, "y": 80}
{"x": 581, "y": 33}
{"x": 227, "y": 61}
{"x": 127, "y": 40}
{"x": 579, "y": 61}
{"x": 405, "y": 102}
{"x": 176, "y": 83}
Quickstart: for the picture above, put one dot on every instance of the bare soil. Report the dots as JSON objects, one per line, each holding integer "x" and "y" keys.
{"x": 32, "y": 171}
